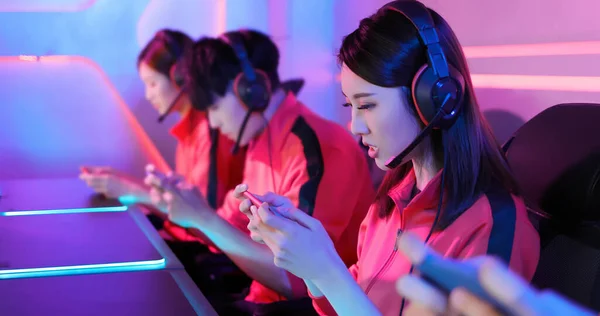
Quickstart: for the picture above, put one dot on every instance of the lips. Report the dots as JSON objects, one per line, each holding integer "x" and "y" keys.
{"x": 373, "y": 151}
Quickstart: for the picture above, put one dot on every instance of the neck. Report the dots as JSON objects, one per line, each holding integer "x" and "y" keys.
{"x": 425, "y": 169}
{"x": 276, "y": 100}
{"x": 184, "y": 106}
{"x": 274, "y": 104}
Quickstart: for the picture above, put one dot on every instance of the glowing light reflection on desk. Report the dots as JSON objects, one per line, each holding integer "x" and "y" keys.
{"x": 78, "y": 269}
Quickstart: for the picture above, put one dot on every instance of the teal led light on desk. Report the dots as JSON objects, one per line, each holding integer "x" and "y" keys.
{"x": 78, "y": 269}
{"x": 83, "y": 269}
{"x": 67, "y": 211}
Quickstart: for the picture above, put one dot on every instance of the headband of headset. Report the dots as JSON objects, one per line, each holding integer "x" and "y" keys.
{"x": 251, "y": 86}
{"x": 437, "y": 88}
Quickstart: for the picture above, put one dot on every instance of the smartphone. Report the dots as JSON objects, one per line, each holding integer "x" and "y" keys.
{"x": 253, "y": 199}
{"x": 448, "y": 274}
{"x": 257, "y": 202}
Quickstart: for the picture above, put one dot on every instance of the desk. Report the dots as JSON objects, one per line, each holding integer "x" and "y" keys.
{"x": 91, "y": 261}
{"x": 49, "y": 130}
{"x": 45, "y": 194}
{"x": 148, "y": 293}
{"x": 81, "y": 242}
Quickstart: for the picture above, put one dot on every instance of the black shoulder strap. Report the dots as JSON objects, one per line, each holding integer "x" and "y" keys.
{"x": 211, "y": 190}
{"x": 504, "y": 214}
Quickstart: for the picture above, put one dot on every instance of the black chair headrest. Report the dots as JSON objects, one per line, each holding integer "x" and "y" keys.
{"x": 555, "y": 158}
{"x": 293, "y": 85}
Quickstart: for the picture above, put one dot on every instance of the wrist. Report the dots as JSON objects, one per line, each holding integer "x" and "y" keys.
{"x": 313, "y": 289}
{"x": 205, "y": 217}
{"x": 335, "y": 271}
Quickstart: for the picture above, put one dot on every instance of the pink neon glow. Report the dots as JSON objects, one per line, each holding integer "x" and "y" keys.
{"x": 28, "y": 58}
{"x": 541, "y": 49}
{"x": 149, "y": 147}
{"x": 45, "y": 5}
{"x": 221, "y": 26}
{"x": 524, "y": 82}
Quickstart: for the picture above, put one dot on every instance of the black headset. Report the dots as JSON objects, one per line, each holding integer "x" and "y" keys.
{"x": 437, "y": 88}
{"x": 176, "y": 51}
{"x": 251, "y": 86}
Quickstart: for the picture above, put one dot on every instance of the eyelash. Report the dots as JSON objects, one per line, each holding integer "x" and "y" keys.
{"x": 362, "y": 107}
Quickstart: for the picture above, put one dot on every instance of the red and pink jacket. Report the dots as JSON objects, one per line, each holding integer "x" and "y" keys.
{"x": 507, "y": 234}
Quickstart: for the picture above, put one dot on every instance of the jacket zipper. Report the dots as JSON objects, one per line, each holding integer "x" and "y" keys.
{"x": 387, "y": 263}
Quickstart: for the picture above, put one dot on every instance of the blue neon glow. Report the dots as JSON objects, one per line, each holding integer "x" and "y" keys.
{"x": 128, "y": 199}
{"x": 84, "y": 269}
{"x": 67, "y": 211}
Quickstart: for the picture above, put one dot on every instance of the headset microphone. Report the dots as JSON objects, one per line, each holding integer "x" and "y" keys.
{"x": 397, "y": 160}
{"x": 251, "y": 86}
{"x": 163, "y": 116}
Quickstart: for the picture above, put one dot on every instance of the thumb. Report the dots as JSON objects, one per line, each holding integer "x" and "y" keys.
{"x": 239, "y": 190}
{"x": 169, "y": 186}
{"x": 299, "y": 217}
{"x": 508, "y": 288}
{"x": 275, "y": 199}
{"x": 270, "y": 218}
{"x": 150, "y": 168}
{"x": 174, "y": 177}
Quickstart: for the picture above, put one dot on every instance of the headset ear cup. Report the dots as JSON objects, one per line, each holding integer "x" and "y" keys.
{"x": 429, "y": 94}
{"x": 255, "y": 96}
{"x": 176, "y": 75}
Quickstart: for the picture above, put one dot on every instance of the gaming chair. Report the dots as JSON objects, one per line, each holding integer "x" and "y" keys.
{"x": 555, "y": 158}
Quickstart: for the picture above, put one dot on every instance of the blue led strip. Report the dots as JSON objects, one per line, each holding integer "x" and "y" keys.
{"x": 84, "y": 269}
{"x": 66, "y": 211}
{"x": 79, "y": 269}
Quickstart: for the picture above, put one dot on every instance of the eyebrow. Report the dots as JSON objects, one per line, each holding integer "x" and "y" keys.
{"x": 357, "y": 96}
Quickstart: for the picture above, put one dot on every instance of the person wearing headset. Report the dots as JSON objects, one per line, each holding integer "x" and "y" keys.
{"x": 291, "y": 151}
{"x": 157, "y": 69}
{"x": 407, "y": 83}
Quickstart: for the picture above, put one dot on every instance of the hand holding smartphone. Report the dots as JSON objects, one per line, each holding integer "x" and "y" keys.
{"x": 257, "y": 202}
{"x": 444, "y": 273}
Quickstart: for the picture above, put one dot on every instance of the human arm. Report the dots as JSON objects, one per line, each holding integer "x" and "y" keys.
{"x": 187, "y": 208}
{"x": 116, "y": 184}
{"x": 509, "y": 290}
{"x": 292, "y": 238}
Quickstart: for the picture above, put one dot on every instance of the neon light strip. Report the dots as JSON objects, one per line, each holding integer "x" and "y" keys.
{"x": 529, "y": 82}
{"x": 540, "y": 49}
{"x": 525, "y": 82}
{"x": 66, "y": 211}
{"x": 84, "y": 269}
{"x": 221, "y": 20}
{"x": 47, "y": 7}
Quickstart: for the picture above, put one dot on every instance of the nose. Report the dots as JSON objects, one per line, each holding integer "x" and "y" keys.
{"x": 147, "y": 95}
{"x": 358, "y": 126}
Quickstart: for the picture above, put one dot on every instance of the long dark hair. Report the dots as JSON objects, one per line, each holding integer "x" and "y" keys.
{"x": 164, "y": 50}
{"x": 386, "y": 50}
